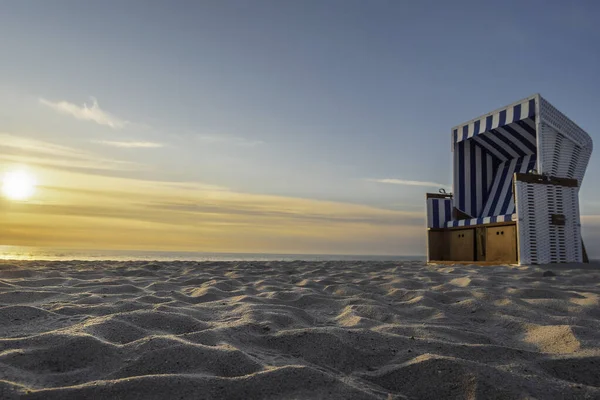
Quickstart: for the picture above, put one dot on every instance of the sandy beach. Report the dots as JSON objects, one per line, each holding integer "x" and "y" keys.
{"x": 266, "y": 330}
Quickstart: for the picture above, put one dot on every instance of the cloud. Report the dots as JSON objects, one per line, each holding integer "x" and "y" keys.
{"x": 591, "y": 219}
{"x": 409, "y": 183}
{"x": 87, "y": 113}
{"x": 227, "y": 139}
{"x": 147, "y": 145}
{"x": 19, "y": 149}
{"x": 281, "y": 214}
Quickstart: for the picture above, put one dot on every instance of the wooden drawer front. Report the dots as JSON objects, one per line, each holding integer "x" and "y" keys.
{"x": 438, "y": 245}
{"x": 462, "y": 245}
{"x": 501, "y": 244}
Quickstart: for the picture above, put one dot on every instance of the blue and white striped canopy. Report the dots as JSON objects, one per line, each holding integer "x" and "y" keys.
{"x": 521, "y": 111}
{"x": 487, "y": 152}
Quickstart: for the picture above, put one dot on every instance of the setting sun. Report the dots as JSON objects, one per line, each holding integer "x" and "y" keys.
{"x": 18, "y": 185}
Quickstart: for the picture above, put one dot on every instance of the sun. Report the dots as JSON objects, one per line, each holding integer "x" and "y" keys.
{"x": 18, "y": 185}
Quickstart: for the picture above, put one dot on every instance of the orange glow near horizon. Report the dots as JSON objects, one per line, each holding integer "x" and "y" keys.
{"x": 87, "y": 210}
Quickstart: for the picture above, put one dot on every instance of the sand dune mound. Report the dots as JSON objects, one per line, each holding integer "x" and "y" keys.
{"x": 107, "y": 306}
{"x": 325, "y": 349}
{"x": 556, "y": 339}
{"x": 16, "y": 321}
{"x": 17, "y": 315}
{"x": 117, "y": 289}
{"x": 113, "y": 330}
{"x": 26, "y": 296}
{"x": 49, "y": 282}
{"x": 191, "y": 359}
{"x": 74, "y": 360}
{"x": 582, "y": 370}
{"x": 301, "y": 330}
{"x": 461, "y": 282}
{"x": 287, "y": 382}
{"x": 204, "y": 295}
{"x": 434, "y": 377}
{"x": 162, "y": 321}
{"x": 73, "y": 353}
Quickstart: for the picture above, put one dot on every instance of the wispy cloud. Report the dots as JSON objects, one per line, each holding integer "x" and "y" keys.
{"x": 591, "y": 219}
{"x": 19, "y": 149}
{"x": 87, "y": 113}
{"x": 409, "y": 183}
{"x": 227, "y": 139}
{"x": 147, "y": 145}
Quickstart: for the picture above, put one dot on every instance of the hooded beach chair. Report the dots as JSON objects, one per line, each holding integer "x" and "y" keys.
{"x": 515, "y": 192}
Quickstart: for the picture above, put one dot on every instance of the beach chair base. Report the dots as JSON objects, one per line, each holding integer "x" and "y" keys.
{"x": 545, "y": 230}
{"x": 493, "y": 243}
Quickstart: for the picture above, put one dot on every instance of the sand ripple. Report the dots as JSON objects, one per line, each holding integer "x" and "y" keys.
{"x": 345, "y": 330}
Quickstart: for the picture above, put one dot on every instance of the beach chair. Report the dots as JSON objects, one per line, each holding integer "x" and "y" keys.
{"x": 515, "y": 191}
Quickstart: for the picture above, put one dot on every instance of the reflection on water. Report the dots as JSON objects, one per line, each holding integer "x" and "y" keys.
{"x": 41, "y": 253}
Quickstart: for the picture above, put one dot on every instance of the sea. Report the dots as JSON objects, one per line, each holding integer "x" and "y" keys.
{"x": 54, "y": 254}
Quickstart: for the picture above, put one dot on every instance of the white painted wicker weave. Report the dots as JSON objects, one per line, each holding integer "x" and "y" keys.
{"x": 541, "y": 242}
{"x": 564, "y": 149}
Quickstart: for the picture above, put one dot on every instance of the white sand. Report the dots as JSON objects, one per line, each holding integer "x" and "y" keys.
{"x": 138, "y": 330}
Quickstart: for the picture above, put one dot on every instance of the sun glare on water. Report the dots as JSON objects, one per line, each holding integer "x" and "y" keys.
{"x": 18, "y": 185}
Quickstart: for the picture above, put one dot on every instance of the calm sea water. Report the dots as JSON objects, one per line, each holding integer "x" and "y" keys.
{"x": 39, "y": 253}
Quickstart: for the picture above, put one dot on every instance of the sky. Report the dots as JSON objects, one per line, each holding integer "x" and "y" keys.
{"x": 268, "y": 126}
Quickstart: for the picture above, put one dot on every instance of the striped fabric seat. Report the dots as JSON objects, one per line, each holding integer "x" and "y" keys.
{"x": 481, "y": 221}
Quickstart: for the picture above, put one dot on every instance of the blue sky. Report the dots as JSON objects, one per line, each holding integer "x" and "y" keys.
{"x": 298, "y": 99}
